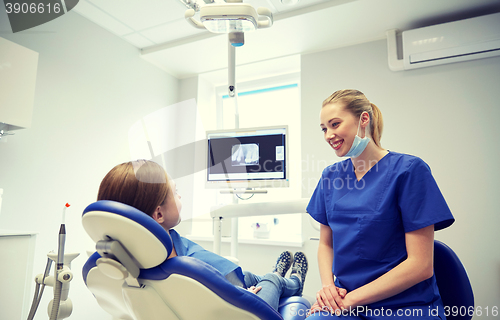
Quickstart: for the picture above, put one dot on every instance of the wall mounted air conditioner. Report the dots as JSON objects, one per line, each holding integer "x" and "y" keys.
{"x": 457, "y": 41}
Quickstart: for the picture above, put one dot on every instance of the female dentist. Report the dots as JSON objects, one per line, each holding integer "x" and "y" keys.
{"x": 378, "y": 212}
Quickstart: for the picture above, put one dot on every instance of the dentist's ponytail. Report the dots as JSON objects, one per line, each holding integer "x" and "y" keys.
{"x": 356, "y": 102}
{"x": 376, "y": 124}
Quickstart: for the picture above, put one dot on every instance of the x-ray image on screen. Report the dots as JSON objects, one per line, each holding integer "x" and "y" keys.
{"x": 245, "y": 154}
{"x": 247, "y": 158}
{"x": 280, "y": 153}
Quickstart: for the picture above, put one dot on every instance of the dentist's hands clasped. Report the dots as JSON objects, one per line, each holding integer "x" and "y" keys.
{"x": 329, "y": 298}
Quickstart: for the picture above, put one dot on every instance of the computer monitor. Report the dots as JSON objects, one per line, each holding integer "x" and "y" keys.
{"x": 248, "y": 158}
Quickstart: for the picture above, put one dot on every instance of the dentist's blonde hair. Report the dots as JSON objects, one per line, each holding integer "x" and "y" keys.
{"x": 356, "y": 102}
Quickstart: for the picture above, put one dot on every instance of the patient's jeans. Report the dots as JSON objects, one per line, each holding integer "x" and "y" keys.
{"x": 274, "y": 287}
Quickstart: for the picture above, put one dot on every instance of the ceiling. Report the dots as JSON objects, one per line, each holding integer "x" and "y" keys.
{"x": 166, "y": 39}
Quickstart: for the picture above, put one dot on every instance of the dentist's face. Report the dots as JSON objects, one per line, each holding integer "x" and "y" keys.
{"x": 339, "y": 127}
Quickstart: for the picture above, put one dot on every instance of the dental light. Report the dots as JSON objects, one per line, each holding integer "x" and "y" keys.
{"x": 232, "y": 17}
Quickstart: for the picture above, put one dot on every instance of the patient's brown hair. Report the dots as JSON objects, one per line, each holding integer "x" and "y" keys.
{"x": 142, "y": 184}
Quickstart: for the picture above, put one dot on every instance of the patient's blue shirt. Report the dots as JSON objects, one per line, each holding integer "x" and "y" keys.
{"x": 185, "y": 247}
{"x": 369, "y": 219}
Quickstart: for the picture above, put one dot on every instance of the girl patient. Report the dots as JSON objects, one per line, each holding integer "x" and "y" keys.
{"x": 146, "y": 186}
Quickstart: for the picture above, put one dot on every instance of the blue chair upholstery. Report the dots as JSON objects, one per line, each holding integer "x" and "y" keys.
{"x": 453, "y": 282}
{"x": 177, "y": 288}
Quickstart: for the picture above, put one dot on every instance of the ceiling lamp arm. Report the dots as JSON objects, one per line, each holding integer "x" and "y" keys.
{"x": 188, "y": 15}
{"x": 231, "y": 70}
{"x": 265, "y": 17}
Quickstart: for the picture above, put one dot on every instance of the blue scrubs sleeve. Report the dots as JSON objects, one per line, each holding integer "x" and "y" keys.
{"x": 316, "y": 207}
{"x": 420, "y": 200}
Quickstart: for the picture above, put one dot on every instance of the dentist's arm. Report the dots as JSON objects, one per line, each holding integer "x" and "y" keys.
{"x": 417, "y": 267}
{"x": 329, "y": 296}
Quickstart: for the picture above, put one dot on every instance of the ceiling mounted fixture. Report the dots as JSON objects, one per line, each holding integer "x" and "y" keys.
{"x": 230, "y": 17}
{"x": 234, "y": 18}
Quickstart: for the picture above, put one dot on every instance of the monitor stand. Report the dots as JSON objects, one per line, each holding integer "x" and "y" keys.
{"x": 243, "y": 191}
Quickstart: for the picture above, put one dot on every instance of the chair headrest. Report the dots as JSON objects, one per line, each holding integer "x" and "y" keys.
{"x": 147, "y": 241}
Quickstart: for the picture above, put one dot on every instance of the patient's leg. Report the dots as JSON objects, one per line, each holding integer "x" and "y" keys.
{"x": 273, "y": 286}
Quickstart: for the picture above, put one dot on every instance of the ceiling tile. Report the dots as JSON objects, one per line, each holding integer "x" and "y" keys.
{"x": 187, "y": 60}
{"x": 280, "y": 7}
{"x": 101, "y": 18}
{"x": 171, "y": 31}
{"x": 262, "y": 3}
{"x": 142, "y": 14}
{"x": 138, "y": 40}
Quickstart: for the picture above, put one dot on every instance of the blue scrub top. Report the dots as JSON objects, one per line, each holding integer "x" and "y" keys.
{"x": 185, "y": 247}
{"x": 369, "y": 219}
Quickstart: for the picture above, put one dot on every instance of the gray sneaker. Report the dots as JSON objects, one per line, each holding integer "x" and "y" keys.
{"x": 300, "y": 266}
{"x": 283, "y": 263}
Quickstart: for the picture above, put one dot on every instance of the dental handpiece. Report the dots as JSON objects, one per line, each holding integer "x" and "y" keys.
{"x": 62, "y": 239}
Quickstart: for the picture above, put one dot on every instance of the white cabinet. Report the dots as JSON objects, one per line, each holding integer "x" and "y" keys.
{"x": 18, "y": 67}
{"x": 17, "y": 282}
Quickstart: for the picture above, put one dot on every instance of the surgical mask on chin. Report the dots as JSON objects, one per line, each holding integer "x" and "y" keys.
{"x": 358, "y": 145}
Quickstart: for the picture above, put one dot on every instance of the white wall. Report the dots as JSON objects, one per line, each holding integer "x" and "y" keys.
{"x": 91, "y": 88}
{"x": 447, "y": 115}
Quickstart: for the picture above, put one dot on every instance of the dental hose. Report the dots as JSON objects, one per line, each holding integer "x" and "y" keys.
{"x": 60, "y": 264}
{"x": 56, "y": 301}
{"x": 39, "y": 291}
{"x": 34, "y": 304}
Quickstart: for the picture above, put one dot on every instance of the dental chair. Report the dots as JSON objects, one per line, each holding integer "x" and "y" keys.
{"x": 453, "y": 283}
{"x": 132, "y": 279}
